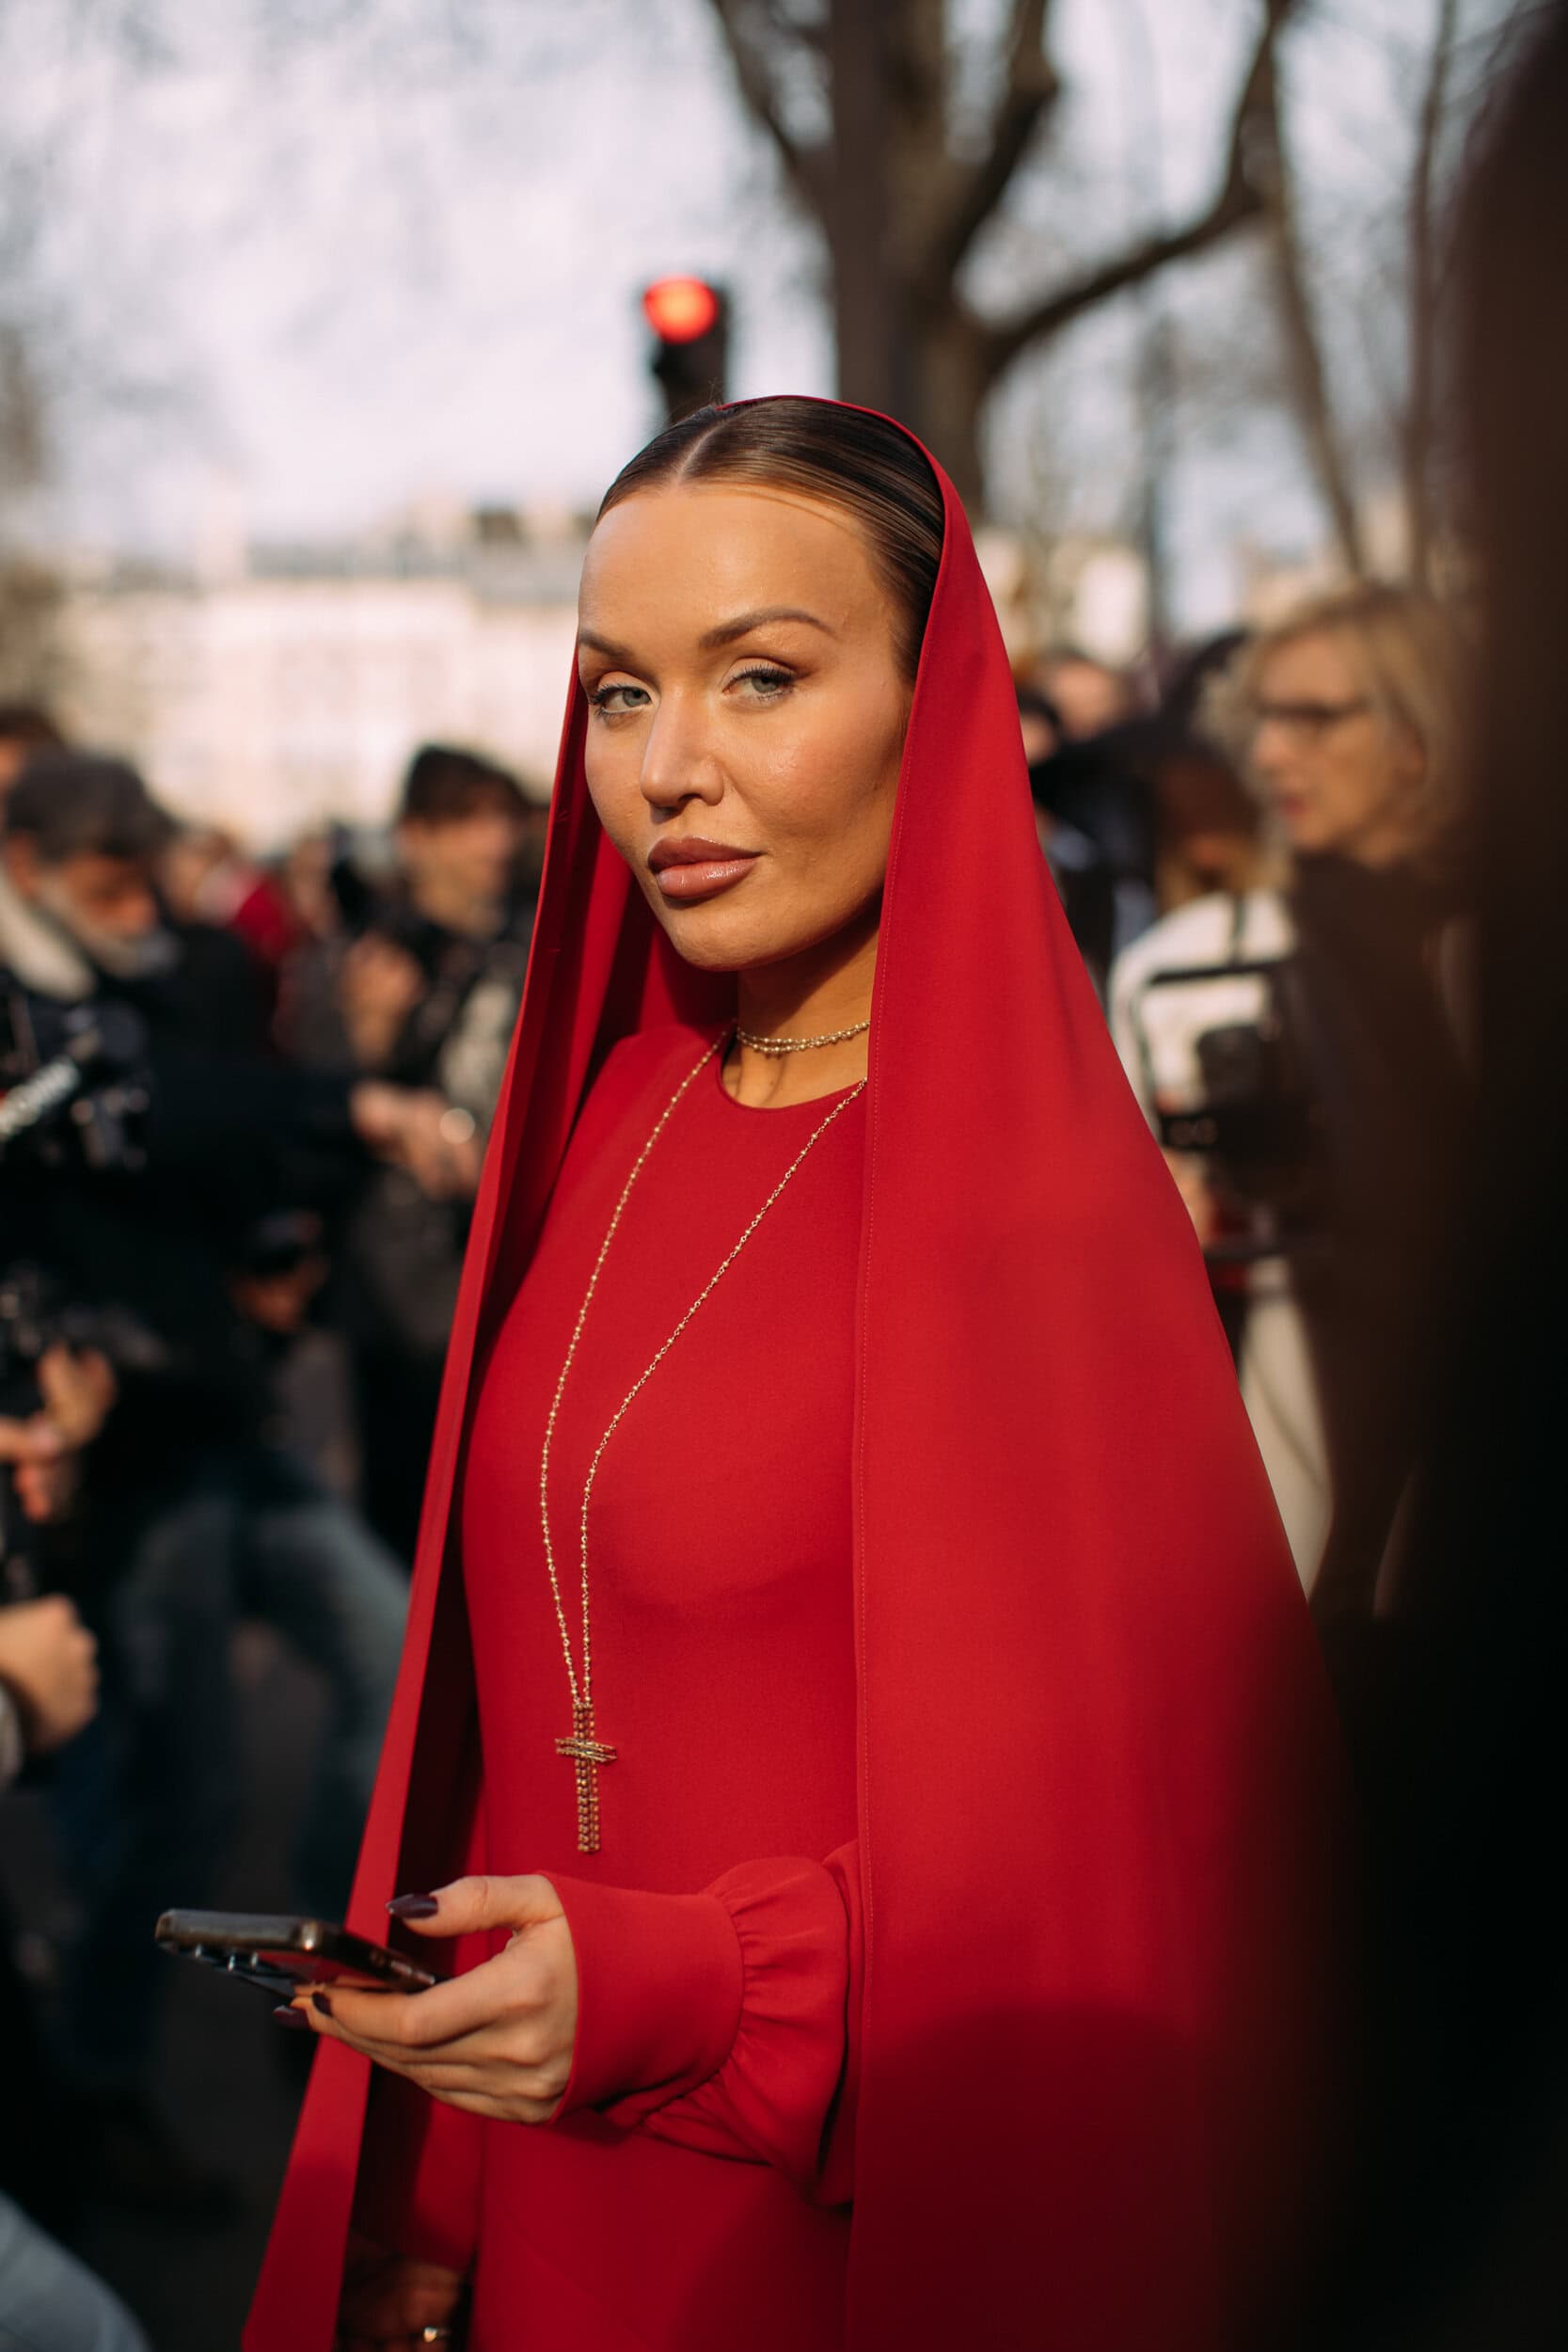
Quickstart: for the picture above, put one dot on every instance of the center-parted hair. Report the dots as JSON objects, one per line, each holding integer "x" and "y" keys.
{"x": 861, "y": 463}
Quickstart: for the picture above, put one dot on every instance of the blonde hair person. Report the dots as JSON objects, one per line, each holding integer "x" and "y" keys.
{"x": 1348, "y": 715}
{"x": 1352, "y": 706}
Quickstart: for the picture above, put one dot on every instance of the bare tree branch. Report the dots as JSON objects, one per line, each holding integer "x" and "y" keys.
{"x": 1306, "y": 373}
{"x": 1030, "y": 88}
{"x": 806, "y": 169}
{"x": 1424, "y": 274}
{"x": 1239, "y": 199}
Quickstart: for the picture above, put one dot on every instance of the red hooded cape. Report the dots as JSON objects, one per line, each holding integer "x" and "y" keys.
{"x": 1097, "y": 1777}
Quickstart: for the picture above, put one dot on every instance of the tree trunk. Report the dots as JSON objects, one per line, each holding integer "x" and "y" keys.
{"x": 948, "y": 387}
{"x": 900, "y": 210}
{"x": 1306, "y": 373}
{"x": 867, "y": 324}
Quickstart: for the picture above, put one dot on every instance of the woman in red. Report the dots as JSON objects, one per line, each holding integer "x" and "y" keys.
{"x": 859, "y": 1717}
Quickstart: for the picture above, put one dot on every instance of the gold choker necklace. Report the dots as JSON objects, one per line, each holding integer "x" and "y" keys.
{"x": 797, "y": 1044}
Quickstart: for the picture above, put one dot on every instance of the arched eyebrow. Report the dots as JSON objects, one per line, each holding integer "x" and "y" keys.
{"x": 727, "y": 631}
{"x": 723, "y": 633}
{"x": 618, "y": 653}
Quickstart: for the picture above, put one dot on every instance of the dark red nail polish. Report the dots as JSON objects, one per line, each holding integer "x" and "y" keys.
{"x": 413, "y": 1906}
{"x": 320, "y": 2004}
{"x": 292, "y": 2018}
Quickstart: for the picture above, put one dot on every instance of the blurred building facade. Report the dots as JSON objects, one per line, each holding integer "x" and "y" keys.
{"x": 269, "y": 689}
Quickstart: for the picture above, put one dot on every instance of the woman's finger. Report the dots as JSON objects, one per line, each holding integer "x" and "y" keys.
{"x": 473, "y": 1905}
{"x": 515, "y": 1983}
{"x": 501, "y": 2058}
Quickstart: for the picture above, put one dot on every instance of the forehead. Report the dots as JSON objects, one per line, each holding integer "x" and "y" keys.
{"x": 687, "y": 557}
{"x": 1320, "y": 662}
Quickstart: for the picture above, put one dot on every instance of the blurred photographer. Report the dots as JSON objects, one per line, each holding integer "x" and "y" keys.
{"x": 425, "y": 994}
{"x": 1301, "y": 1053}
{"x": 141, "y": 1201}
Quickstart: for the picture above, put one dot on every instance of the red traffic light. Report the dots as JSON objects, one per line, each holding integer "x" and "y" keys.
{"x": 679, "y": 309}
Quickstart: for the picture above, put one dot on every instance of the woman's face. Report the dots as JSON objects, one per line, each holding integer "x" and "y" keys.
{"x": 1342, "y": 778}
{"x": 746, "y": 720}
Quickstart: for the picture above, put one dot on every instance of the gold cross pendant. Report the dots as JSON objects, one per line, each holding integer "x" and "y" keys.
{"x": 587, "y": 1753}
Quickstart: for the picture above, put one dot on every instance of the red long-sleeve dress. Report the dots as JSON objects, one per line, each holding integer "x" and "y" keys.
{"x": 704, "y": 2146}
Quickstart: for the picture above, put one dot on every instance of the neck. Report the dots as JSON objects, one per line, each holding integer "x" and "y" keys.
{"x": 826, "y": 989}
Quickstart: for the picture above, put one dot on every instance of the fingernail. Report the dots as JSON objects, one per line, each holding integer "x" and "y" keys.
{"x": 413, "y": 1906}
{"x": 292, "y": 2018}
{"x": 319, "y": 2003}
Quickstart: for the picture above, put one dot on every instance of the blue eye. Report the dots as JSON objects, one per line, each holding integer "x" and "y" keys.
{"x": 767, "y": 682}
{"x": 604, "y": 701}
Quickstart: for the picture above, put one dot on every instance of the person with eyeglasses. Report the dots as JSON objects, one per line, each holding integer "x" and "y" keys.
{"x": 1347, "y": 716}
{"x": 1354, "y": 710}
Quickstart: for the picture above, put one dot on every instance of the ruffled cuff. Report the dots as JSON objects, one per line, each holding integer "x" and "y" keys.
{"x": 785, "y": 2093}
{"x": 660, "y": 1985}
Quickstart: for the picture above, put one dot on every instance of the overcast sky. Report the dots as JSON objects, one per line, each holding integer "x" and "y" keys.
{"x": 337, "y": 255}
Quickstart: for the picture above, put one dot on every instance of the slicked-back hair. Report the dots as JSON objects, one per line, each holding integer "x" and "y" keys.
{"x": 866, "y": 467}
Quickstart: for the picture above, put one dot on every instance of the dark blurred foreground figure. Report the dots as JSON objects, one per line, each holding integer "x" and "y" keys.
{"x": 48, "y": 1691}
{"x": 1455, "y": 1698}
{"x": 426, "y": 994}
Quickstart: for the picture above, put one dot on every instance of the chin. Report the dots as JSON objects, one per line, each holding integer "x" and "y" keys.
{"x": 710, "y": 946}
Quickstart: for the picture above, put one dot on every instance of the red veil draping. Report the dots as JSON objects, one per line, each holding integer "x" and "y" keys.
{"x": 1099, "y": 1782}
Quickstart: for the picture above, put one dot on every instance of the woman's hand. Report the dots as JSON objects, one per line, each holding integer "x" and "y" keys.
{"x": 387, "y": 2300}
{"x": 497, "y": 2041}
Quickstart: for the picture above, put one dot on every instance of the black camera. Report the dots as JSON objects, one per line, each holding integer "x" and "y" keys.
{"x": 73, "y": 1079}
{"x": 1253, "y": 1117}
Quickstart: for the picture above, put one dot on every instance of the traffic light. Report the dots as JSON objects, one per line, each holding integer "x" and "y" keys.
{"x": 691, "y": 321}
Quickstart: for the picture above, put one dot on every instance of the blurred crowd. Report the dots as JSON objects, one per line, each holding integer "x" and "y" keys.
{"x": 241, "y": 1113}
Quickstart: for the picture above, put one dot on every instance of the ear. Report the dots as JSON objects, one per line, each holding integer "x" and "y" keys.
{"x": 19, "y": 854}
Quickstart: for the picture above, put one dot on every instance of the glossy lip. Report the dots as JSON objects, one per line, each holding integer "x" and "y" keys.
{"x": 692, "y": 850}
{"x": 691, "y": 868}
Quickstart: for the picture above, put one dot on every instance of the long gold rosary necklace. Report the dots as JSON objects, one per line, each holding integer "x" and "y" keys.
{"x": 582, "y": 1748}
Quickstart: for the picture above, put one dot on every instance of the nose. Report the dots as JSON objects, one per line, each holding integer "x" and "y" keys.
{"x": 1272, "y": 749}
{"x": 678, "y": 761}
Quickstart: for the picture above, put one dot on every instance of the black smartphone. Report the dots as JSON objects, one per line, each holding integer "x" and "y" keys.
{"x": 281, "y": 1954}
